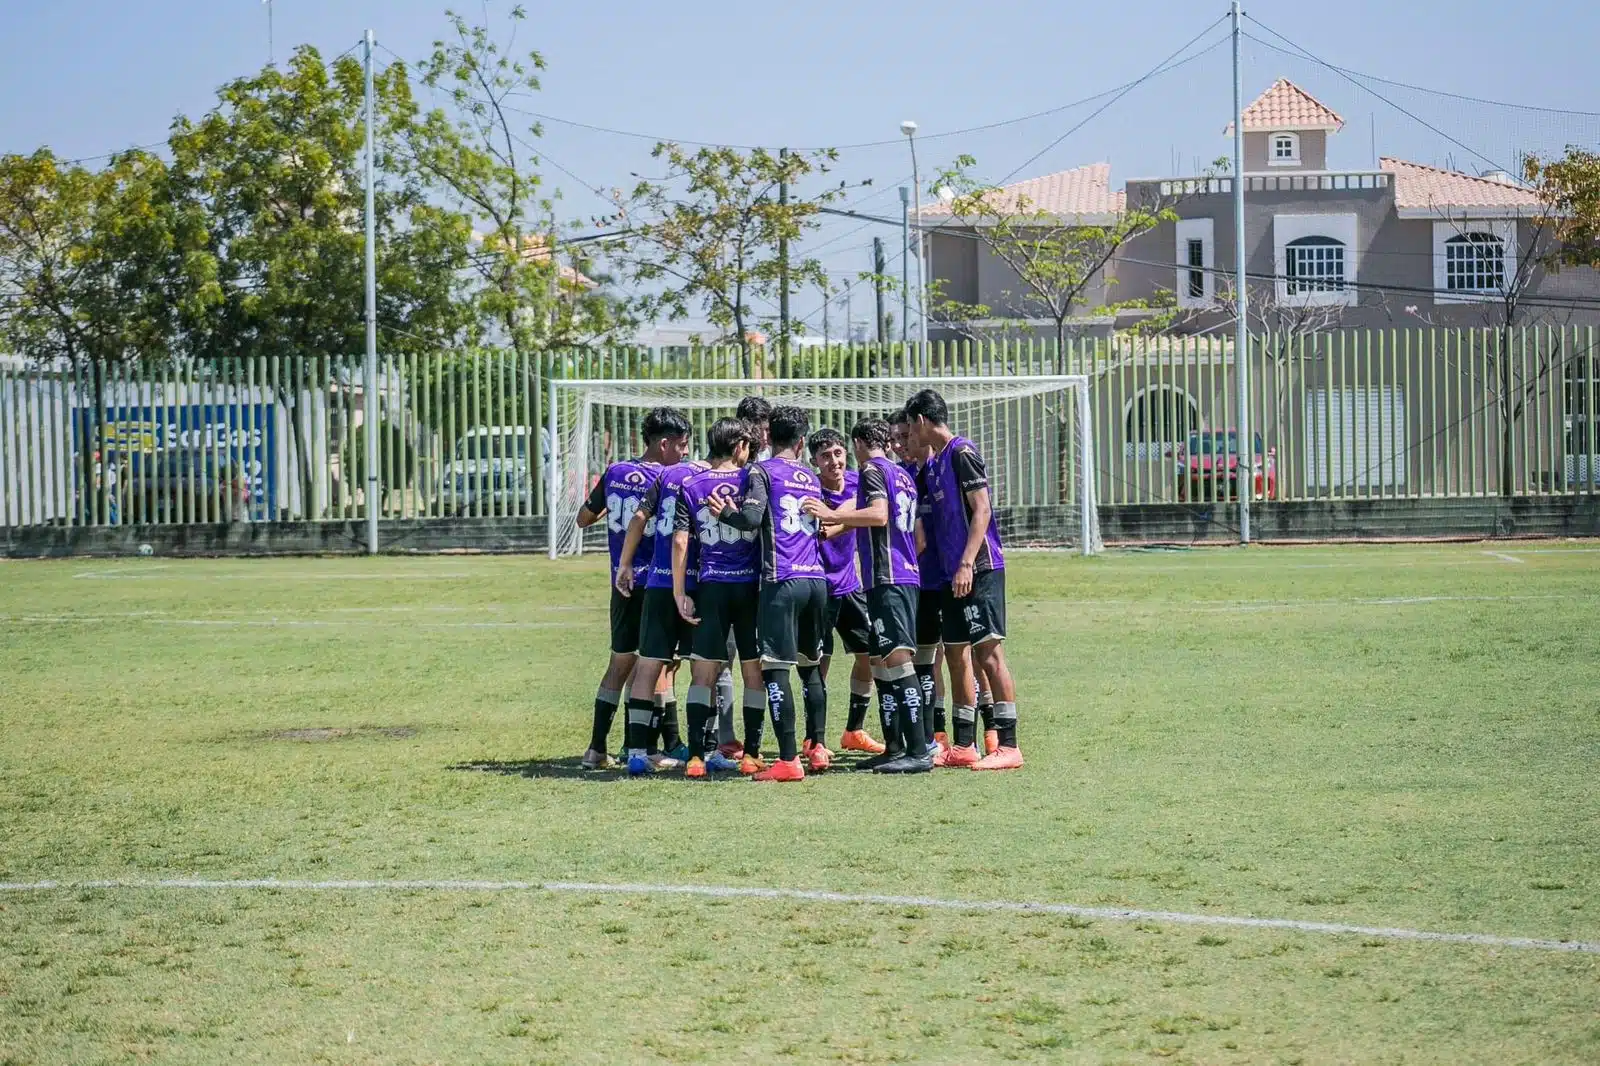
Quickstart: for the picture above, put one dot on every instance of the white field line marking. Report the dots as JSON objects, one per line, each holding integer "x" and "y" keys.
{"x": 142, "y": 574}
{"x": 1113, "y": 914}
{"x": 277, "y": 623}
{"x": 1503, "y": 557}
{"x": 1225, "y": 606}
{"x": 121, "y": 571}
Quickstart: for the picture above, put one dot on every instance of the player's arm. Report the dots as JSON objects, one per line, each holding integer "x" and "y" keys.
{"x": 594, "y": 508}
{"x": 747, "y": 516}
{"x": 974, "y": 482}
{"x": 876, "y": 513}
{"x": 680, "y": 571}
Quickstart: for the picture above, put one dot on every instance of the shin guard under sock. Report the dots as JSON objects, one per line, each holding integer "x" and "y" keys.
{"x": 755, "y": 718}
{"x": 641, "y": 713}
{"x": 889, "y": 714}
{"x": 908, "y": 707}
{"x": 780, "y": 704}
{"x": 815, "y": 694}
{"x": 702, "y": 741}
{"x": 1005, "y": 723}
{"x": 605, "y": 712}
{"x": 966, "y": 727}
{"x": 860, "y": 704}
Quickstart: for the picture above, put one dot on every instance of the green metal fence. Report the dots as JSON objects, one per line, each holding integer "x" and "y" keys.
{"x": 1396, "y": 414}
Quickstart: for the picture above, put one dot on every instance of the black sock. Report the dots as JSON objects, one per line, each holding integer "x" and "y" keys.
{"x": 889, "y": 718}
{"x": 911, "y": 717}
{"x": 605, "y": 711}
{"x": 860, "y": 704}
{"x": 641, "y": 713}
{"x": 780, "y": 703}
{"x": 702, "y": 741}
{"x": 926, "y": 710}
{"x": 1005, "y": 722}
{"x": 925, "y": 675}
{"x": 940, "y": 724}
{"x": 966, "y": 727}
{"x": 986, "y": 710}
{"x": 815, "y": 693}
{"x": 671, "y": 736}
{"x": 754, "y": 719}
{"x": 656, "y": 716}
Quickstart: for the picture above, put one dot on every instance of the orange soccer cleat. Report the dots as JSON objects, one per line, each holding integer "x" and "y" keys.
{"x": 818, "y": 757}
{"x": 751, "y": 764}
{"x": 962, "y": 756}
{"x": 1004, "y": 759}
{"x": 782, "y": 770}
{"x": 860, "y": 740}
{"x": 696, "y": 767}
{"x": 991, "y": 741}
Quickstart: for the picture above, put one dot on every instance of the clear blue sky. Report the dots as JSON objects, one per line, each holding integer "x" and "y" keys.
{"x": 88, "y": 76}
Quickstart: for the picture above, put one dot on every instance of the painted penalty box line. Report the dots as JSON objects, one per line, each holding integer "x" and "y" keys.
{"x": 1114, "y": 914}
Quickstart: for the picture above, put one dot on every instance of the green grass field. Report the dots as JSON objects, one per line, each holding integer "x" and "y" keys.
{"x": 1397, "y": 737}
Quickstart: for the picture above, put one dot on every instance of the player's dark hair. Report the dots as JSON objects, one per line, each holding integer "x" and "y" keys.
{"x": 873, "y": 432}
{"x": 665, "y": 422}
{"x": 897, "y": 417}
{"x": 724, "y": 436}
{"x": 754, "y": 409}
{"x": 787, "y": 427}
{"x": 929, "y": 405}
{"x": 824, "y": 438}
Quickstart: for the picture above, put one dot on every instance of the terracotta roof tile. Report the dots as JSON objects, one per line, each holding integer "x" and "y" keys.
{"x": 1286, "y": 106}
{"x": 1423, "y": 187}
{"x": 1084, "y": 191}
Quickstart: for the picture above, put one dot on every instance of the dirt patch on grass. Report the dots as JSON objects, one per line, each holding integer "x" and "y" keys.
{"x": 389, "y": 732}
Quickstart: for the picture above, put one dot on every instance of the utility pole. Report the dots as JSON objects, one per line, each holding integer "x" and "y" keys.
{"x": 272, "y": 51}
{"x": 849, "y": 315}
{"x": 878, "y": 267}
{"x": 369, "y": 384}
{"x": 827, "y": 337}
{"x": 783, "y": 253}
{"x": 905, "y": 261}
{"x": 1241, "y": 327}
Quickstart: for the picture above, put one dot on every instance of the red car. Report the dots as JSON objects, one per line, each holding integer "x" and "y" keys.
{"x": 1208, "y": 468}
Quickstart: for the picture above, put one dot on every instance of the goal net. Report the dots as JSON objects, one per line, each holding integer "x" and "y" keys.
{"x": 1035, "y": 434}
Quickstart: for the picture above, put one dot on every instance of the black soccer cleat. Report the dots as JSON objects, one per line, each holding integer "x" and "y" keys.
{"x": 907, "y": 764}
{"x": 876, "y": 761}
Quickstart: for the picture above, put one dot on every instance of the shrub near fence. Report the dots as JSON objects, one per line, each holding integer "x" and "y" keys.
{"x": 1390, "y": 415}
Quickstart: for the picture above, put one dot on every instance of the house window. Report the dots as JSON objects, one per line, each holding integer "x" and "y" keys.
{"x": 1196, "y": 263}
{"x": 1474, "y": 262}
{"x": 1315, "y": 265}
{"x": 1285, "y": 150}
{"x": 1157, "y": 421}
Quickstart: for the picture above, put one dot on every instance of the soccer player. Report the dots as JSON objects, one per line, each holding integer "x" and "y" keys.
{"x": 968, "y": 542}
{"x": 886, "y": 514}
{"x": 615, "y": 497}
{"x": 757, "y": 412}
{"x": 933, "y": 583}
{"x": 722, "y": 606}
{"x": 663, "y": 634}
{"x": 794, "y": 592}
{"x": 847, "y": 603}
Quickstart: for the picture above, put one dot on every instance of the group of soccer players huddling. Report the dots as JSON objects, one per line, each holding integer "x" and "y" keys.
{"x": 756, "y": 555}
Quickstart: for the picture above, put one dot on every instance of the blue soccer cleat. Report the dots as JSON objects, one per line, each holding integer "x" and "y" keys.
{"x": 719, "y": 763}
{"x": 679, "y": 754}
{"x": 639, "y": 764}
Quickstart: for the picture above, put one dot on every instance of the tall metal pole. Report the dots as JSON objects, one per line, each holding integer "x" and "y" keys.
{"x": 272, "y": 48}
{"x": 849, "y": 314}
{"x": 1241, "y": 325}
{"x": 905, "y": 263}
{"x": 878, "y": 267}
{"x": 369, "y": 384}
{"x": 922, "y": 283}
{"x": 783, "y": 256}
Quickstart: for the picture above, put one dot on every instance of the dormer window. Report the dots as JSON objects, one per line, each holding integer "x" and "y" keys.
{"x": 1285, "y": 150}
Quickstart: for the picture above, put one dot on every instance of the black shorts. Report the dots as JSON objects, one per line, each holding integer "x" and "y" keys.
{"x": 625, "y": 611}
{"x": 894, "y": 618}
{"x": 930, "y": 610}
{"x": 848, "y": 615}
{"x": 727, "y": 614}
{"x": 663, "y": 634}
{"x": 981, "y": 616}
{"x": 792, "y": 621}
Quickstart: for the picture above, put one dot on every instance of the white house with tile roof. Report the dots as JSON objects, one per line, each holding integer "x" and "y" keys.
{"x": 1403, "y": 245}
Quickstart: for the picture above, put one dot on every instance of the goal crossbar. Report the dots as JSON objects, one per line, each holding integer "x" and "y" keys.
{"x": 1001, "y": 403}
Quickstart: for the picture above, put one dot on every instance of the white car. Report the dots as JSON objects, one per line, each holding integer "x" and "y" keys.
{"x": 490, "y": 473}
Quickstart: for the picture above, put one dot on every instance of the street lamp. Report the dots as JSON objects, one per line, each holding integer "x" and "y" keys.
{"x": 909, "y": 128}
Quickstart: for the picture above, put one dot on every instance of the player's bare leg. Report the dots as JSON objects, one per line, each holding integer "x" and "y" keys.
{"x": 991, "y": 662}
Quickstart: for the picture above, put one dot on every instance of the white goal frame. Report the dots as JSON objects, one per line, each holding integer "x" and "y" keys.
{"x": 810, "y": 393}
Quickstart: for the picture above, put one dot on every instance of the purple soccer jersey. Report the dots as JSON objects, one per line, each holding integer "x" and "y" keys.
{"x": 839, "y": 553}
{"x": 929, "y": 568}
{"x": 663, "y": 501}
{"x": 889, "y": 553}
{"x": 726, "y": 555}
{"x": 617, "y": 494}
{"x": 954, "y": 472}
{"x": 789, "y": 541}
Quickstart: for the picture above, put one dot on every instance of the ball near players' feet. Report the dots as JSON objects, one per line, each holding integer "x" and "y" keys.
{"x": 907, "y": 764}
{"x": 1004, "y": 759}
{"x": 639, "y": 764}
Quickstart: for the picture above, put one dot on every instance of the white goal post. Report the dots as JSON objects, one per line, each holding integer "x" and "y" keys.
{"x": 1035, "y": 433}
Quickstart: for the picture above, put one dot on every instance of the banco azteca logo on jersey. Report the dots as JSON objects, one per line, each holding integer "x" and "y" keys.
{"x": 801, "y": 477}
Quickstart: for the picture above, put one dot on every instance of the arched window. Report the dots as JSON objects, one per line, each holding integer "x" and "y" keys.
{"x": 1285, "y": 149}
{"x": 1158, "y": 420}
{"x": 1314, "y": 265}
{"x": 1474, "y": 262}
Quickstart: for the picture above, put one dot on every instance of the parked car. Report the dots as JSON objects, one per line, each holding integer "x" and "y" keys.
{"x": 1208, "y": 467}
{"x": 491, "y": 473}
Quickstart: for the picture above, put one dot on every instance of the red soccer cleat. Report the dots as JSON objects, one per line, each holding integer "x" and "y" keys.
{"x": 782, "y": 770}
{"x": 818, "y": 757}
{"x": 751, "y": 765}
{"x": 963, "y": 756}
{"x": 696, "y": 767}
{"x": 860, "y": 740}
{"x": 1004, "y": 759}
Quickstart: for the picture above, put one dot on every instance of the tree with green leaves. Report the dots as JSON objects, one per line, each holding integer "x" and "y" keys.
{"x": 1570, "y": 189}
{"x": 1059, "y": 262}
{"x": 710, "y": 235}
